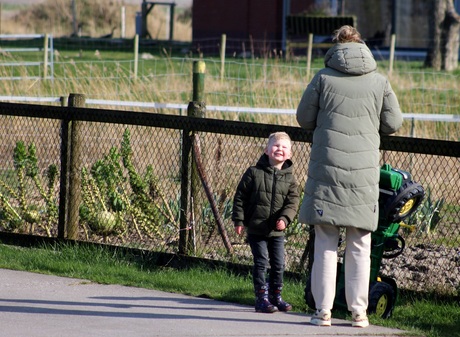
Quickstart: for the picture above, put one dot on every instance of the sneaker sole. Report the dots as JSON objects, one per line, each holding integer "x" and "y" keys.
{"x": 363, "y": 324}
{"x": 267, "y": 311}
{"x": 285, "y": 309}
{"x": 319, "y": 322}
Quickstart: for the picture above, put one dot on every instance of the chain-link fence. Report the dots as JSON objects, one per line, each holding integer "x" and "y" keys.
{"x": 165, "y": 184}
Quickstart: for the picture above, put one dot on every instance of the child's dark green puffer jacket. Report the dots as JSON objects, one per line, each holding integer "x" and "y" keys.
{"x": 265, "y": 195}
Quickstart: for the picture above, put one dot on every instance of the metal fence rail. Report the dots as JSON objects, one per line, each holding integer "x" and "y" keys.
{"x": 451, "y": 118}
{"x": 139, "y": 187}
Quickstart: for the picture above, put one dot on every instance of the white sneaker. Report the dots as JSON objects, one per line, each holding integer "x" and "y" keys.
{"x": 321, "y": 318}
{"x": 360, "y": 320}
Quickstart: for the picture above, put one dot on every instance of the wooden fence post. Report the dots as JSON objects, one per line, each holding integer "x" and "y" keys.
{"x": 74, "y": 190}
{"x": 64, "y": 175}
{"x": 136, "y": 55}
{"x": 123, "y": 22}
{"x": 185, "y": 169}
{"x": 309, "y": 51}
{"x": 196, "y": 108}
{"x": 223, "y": 46}
{"x": 199, "y": 68}
{"x": 45, "y": 60}
{"x": 392, "y": 53}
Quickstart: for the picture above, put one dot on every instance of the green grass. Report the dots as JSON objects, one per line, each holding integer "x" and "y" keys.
{"x": 421, "y": 315}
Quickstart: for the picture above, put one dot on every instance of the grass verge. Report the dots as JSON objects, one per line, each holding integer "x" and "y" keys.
{"x": 421, "y": 315}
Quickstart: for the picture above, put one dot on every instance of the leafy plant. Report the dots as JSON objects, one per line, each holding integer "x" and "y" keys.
{"x": 16, "y": 207}
{"x": 427, "y": 218}
{"x": 115, "y": 193}
{"x": 96, "y": 210}
{"x": 295, "y": 227}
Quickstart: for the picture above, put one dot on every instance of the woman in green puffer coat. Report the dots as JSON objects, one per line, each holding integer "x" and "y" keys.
{"x": 347, "y": 105}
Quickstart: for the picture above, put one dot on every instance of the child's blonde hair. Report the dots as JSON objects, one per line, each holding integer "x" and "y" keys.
{"x": 277, "y": 136}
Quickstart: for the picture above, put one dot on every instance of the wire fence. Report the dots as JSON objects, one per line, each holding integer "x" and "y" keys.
{"x": 165, "y": 183}
{"x": 244, "y": 83}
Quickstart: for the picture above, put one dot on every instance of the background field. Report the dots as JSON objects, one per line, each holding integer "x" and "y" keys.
{"x": 97, "y": 18}
{"x": 105, "y": 69}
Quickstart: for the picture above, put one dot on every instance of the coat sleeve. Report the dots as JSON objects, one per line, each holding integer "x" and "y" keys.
{"x": 242, "y": 198}
{"x": 391, "y": 116}
{"x": 308, "y": 108}
{"x": 291, "y": 203}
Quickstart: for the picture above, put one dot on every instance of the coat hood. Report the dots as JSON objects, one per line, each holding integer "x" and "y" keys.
{"x": 350, "y": 58}
{"x": 264, "y": 163}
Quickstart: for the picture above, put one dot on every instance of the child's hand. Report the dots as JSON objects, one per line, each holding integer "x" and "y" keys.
{"x": 280, "y": 225}
{"x": 239, "y": 229}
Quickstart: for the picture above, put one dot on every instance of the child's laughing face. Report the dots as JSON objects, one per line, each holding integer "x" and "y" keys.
{"x": 278, "y": 151}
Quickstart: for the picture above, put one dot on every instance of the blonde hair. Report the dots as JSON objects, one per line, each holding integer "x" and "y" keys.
{"x": 346, "y": 34}
{"x": 277, "y": 136}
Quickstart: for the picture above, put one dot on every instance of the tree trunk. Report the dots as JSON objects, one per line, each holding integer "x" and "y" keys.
{"x": 444, "y": 25}
{"x": 452, "y": 32}
{"x": 74, "y": 18}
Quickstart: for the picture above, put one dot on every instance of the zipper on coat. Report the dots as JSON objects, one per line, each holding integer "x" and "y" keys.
{"x": 272, "y": 202}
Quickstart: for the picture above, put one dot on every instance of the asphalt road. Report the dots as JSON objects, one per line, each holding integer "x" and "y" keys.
{"x": 49, "y": 306}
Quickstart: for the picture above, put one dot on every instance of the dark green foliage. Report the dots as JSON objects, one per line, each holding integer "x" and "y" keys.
{"x": 19, "y": 210}
{"x": 117, "y": 198}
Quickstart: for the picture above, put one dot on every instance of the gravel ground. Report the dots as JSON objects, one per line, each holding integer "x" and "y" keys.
{"x": 426, "y": 267}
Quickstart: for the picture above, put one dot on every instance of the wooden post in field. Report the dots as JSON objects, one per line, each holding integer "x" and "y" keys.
{"x": 198, "y": 176}
{"x": 123, "y": 22}
{"x": 136, "y": 54}
{"x": 45, "y": 60}
{"x": 223, "y": 46}
{"x": 392, "y": 52}
{"x": 171, "y": 21}
{"x": 196, "y": 108}
{"x": 74, "y": 190}
{"x": 309, "y": 49}
{"x": 199, "y": 68}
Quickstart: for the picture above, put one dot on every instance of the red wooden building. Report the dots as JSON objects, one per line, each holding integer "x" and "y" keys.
{"x": 257, "y": 23}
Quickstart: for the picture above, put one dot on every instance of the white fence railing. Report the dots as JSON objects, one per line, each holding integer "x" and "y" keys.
{"x": 47, "y": 65}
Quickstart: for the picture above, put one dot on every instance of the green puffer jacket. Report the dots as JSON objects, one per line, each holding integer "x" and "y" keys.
{"x": 265, "y": 195}
{"x": 347, "y": 105}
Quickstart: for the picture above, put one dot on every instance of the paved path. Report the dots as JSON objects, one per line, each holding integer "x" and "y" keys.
{"x": 39, "y": 305}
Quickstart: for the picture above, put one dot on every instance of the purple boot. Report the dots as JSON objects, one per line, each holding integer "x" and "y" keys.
{"x": 275, "y": 298}
{"x": 262, "y": 302}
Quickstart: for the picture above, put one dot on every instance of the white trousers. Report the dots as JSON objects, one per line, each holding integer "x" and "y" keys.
{"x": 357, "y": 267}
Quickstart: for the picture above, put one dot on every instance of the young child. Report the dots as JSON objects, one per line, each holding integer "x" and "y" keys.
{"x": 265, "y": 202}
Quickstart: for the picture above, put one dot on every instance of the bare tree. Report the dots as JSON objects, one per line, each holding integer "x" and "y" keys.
{"x": 444, "y": 32}
{"x": 74, "y": 18}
